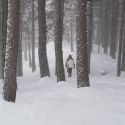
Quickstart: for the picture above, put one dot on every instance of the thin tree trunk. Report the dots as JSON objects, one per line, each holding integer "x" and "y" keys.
{"x": 25, "y": 51}
{"x": 113, "y": 43}
{"x": 19, "y": 59}
{"x": 29, "y": 52}
{"x": 33, "y": 39}
{"x": 1, "y": 42}
{"x": 123, "y": 50}
{"x": 71, "y": 33}
{"x": 100, "y": 27}
{"x": 90, "y": 29}
{"x": 120, "y": 40}
{"x": 29, "y": 43}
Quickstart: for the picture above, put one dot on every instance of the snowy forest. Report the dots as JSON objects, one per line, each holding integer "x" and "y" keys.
{"x": 62, "y": 62}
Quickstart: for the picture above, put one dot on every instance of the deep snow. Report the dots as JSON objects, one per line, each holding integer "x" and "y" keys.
{"x": 45, "y": 102}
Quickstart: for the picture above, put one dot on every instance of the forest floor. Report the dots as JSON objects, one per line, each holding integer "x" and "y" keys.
{"x": 46, "y": 102}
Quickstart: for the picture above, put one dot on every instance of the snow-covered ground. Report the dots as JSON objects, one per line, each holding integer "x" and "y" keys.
{"x": 45, "y": 102}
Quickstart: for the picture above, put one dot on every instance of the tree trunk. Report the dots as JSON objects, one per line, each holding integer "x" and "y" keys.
{"x": 19, "y": 59}
{"x": 3, "y": 34}
{"x": 25, "y": 51}
{"x": 71, "y": 32}
{"x": 43, "y": 61}
{"x": 120, "y": 40}
{"x": 29, "y": 42}
{"x": 1, "y": 42}
{"x": 89, "y": 30}
{"x": 33, "y": 39}
{"x": 29, "y": 52}
{"x": 82, "y": 57}
{"x": 99, "y": 41}
{"x": 10, "y": 83}
{"x": 62, "y": 16}
{"x": 105, "y": 26}
{"x": 113, "y": 43}
{"x": 58, "y": 33}
{"x": 123, "y": 50}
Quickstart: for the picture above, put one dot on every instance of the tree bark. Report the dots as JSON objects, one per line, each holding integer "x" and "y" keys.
{"x": 25, "y": 51}
{"x": 81, "y": 36}
{"x": 19, "y": 59}
{"x": 3, "y": 34}
{"x": 1, "y": 42}
{"x": 43, "y": 61}
{"x": 123, "y": 49}
{"x": 33, "y": 38}
{"x": 10, "y": 83}
{"x": 113, "y": 43}
{"x": 89, "y": 30}
{"x": 120, "y": 40}
{"x": 58, "y": 33}
{"x": 71, "y": 32}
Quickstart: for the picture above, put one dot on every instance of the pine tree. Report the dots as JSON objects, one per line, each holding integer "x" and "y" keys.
{"x": 3, "y": 34}
{"x": 10, "y": 83}
{"x": 58, "y": 36}
{"x": 19, "y": 59}
{"x": 81, "y": 36}
{"x": 89, "y": 29}
{"x": 113, "y": 43}
{"x": 33, "y": 37}
{"x": 1, "y": 43}
{"x": 120, "y": 41}
{"x": 43, "y": 61}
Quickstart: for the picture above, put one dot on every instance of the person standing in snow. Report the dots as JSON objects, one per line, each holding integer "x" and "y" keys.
{"x": 70, "y": 64}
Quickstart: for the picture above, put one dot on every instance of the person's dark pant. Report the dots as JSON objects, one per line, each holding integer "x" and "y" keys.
{"x": 69, "y": 70}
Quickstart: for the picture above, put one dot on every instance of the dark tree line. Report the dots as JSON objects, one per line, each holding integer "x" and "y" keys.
{"x": 110, "y": 16}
